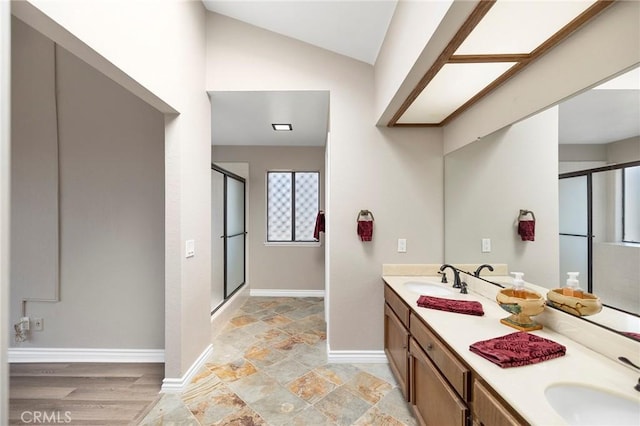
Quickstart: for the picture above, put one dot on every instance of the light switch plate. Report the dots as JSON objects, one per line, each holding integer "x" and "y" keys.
{"x": 486, "y": 245}
{"x": 402, "y": 245}
{"x": 190, "y": 248}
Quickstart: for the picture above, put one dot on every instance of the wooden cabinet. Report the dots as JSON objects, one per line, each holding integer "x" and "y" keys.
{"x": 434, "y": 401}
{"x": 433, "y": 378}
{"x": 396, "y": 342}
{"x": 489, "y": 410}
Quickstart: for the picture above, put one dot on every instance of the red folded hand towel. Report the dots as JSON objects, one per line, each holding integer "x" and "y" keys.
{"x": 527, "y": 230}
{"x": 632, "y": 334}
{"x": 365, "y": 230}
{"x": 319, "y": 225}
{"x": 516, "y": 349}
{"x": 468, "y": 307}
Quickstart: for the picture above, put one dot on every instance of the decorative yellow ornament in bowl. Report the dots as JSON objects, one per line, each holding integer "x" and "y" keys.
{"x": 586, "y": 304}
{"x": 522, "y": 306}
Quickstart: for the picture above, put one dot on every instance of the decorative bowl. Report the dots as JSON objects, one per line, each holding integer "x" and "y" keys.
{"x": 588, "y": 304}
{"x": 521, "y": 308}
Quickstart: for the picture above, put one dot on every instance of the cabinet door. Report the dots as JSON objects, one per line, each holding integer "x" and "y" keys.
{"x": 434, "y": 402}
{"x": 396, "y": 344}
{"x": 488, "y": 411}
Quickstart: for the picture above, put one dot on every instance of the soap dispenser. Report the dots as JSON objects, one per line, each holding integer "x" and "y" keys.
{"x": 518, "y": 285}
{"x": 573, "y": 286}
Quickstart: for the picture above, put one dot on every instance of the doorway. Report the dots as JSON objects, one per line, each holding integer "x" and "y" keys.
{"x": 228, "y": 235}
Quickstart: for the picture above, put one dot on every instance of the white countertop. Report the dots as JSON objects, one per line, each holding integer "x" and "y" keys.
{"x": 522, "y": 387}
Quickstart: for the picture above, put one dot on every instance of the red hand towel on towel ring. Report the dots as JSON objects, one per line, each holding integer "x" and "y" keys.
{"x": 365, "y": 225}
{"x": 319, "y": 225}
{"x": 526, "y": 227}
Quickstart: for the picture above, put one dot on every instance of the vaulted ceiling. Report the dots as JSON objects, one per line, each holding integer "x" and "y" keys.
{"x": 497, "y": 41}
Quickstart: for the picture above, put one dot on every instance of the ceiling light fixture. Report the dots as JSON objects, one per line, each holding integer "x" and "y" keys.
{"x": 280, "y": 127}
{"x": 490, "y": 47}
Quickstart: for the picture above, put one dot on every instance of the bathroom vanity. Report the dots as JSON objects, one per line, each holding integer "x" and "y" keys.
{"x": 436, "y": 382}
{"x": 446, "y": 384}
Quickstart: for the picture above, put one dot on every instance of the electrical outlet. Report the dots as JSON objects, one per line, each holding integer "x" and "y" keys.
{"x": 402, "y": 245}
{"x": 38, "y": 324}
{"x": 486, "y": 245}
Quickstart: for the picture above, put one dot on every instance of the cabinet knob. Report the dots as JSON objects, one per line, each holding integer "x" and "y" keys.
{"x": 429, "y": 346}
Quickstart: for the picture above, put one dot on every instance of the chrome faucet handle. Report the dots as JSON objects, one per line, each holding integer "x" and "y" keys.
{"x": 444, "y": 277}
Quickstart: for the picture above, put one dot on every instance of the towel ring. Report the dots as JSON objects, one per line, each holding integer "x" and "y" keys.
{"x": 365, "y": 213}
{"x": 526, "y": 212}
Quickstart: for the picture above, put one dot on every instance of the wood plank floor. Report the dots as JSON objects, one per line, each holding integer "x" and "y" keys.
{"x": 82, "y": 393}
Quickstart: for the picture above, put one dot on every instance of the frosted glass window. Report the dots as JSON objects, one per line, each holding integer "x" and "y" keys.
{"x": 306, "y": 205}
{"x": 631, "y": 223}
{"x": 279, "y": 210}
{"x": 292, "y": 205}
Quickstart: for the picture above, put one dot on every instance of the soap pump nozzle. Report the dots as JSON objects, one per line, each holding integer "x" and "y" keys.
{"x": 518, "y": 284}
{"x": 573, "y": 285}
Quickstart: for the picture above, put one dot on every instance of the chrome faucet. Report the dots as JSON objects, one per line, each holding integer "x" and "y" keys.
{"x": 486, "y": 265}
{"x": 456, "y": 275}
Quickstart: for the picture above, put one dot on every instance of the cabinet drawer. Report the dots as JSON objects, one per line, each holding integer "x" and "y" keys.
{"x": 488, "y": 410}
{"x": 453, "y": 370}
{"x": 396, "y": 303}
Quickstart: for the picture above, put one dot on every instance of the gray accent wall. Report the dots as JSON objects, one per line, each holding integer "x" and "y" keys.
{"x": 111, "y": 205}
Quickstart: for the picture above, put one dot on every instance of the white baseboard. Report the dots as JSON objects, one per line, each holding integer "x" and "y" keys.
{"x": 21, "y": 355}
{"x": 356, "y": 357}
{"x": 178, "y": 385}
{"x": 259, "y": 292}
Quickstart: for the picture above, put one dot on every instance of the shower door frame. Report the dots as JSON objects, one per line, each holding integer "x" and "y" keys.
{"x": 226, "y": 175}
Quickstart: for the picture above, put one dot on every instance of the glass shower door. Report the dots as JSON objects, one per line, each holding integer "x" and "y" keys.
{"x": 575, "y": 229}
{"x": 228, "y": 235}
{"x": 217, "y": 243}
{"x": 235, "y": 234}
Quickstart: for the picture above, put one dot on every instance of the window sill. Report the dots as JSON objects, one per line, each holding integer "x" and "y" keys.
{"x": 293, "y": 244}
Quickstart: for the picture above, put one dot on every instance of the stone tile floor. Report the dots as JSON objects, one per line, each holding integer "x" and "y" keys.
{"x": 269, "y": 367}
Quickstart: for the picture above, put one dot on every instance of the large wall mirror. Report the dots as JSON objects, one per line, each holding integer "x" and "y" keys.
{"x": 576, "y": 165}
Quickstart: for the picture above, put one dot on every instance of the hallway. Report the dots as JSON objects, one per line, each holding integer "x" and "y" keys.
{"x": 269, "y": 367}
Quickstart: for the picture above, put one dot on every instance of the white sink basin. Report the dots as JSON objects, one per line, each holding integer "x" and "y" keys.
{"x": 427, "y": 289}
{"x": 583, "y": 405}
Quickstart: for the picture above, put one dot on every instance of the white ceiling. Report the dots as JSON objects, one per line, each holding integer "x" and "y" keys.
{"x": 245, "y": 118}
{"x": 607, "y": 113}
{"x": 354, "y": 28}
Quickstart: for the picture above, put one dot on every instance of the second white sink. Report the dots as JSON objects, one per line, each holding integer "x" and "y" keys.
{"x": 584, "y": 405}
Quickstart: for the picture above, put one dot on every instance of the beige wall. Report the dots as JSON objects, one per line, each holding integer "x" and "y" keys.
{"x": 158, "y": 53}
{"x": 111, "y": 165}
{"x": 624, "y": 151}
{"x": 488, "y": 182}
{"x": 34, "y": 172}
{"x": 396, "y": 173}
{"x": 276, "y": 267}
